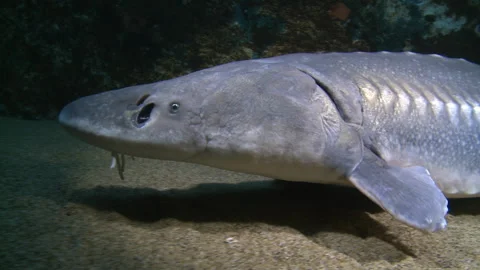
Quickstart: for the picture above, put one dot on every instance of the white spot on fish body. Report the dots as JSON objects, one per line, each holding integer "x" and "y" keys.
{"x": 452, "y": 110}
{"x": 369, "y": 91}
{"x": 404, "y": 102}
{"x": 388, "y": 98}
{"x": 437, "y": 106}
{"x": 476, "y": 112}
{"x": 467, "y": 114}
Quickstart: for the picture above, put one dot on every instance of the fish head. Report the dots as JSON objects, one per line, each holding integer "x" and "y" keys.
{"x": 253, "y": 113}
{"x": 158, "y": 120}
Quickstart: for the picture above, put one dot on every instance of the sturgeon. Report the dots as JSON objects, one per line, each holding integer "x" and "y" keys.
{"x": 403, "y": 128}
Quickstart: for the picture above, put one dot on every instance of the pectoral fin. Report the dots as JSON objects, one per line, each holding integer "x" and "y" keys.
{"x": 409, "y": 193}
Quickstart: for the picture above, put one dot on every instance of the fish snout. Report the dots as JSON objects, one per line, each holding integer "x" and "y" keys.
{"x": 69, "y": 115}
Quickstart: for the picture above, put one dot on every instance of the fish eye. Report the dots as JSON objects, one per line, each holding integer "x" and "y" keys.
{"x": 174, "y": 107}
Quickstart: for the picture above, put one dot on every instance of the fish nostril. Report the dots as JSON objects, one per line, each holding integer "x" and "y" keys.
{"x": 142, "y": 99}
{"x": 144, "y": 114}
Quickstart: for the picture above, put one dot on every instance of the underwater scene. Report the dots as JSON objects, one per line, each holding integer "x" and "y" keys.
{"x": 240, "y": 134}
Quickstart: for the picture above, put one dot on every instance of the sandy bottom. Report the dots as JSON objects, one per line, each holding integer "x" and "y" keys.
{"x": 63, "y": 208}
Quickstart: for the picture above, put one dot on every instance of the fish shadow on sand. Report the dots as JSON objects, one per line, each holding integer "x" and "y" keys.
{"x": 312, "y": 209}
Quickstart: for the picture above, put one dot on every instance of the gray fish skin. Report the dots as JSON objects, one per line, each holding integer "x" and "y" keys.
{"x": 429, "y": 116}
{"x": 417, "y": 110}
{"x": 401, "y": 127}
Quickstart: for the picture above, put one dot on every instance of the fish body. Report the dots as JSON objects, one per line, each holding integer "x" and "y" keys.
{"x": 403, "y": 128}
{"x": 415, "y": 110}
